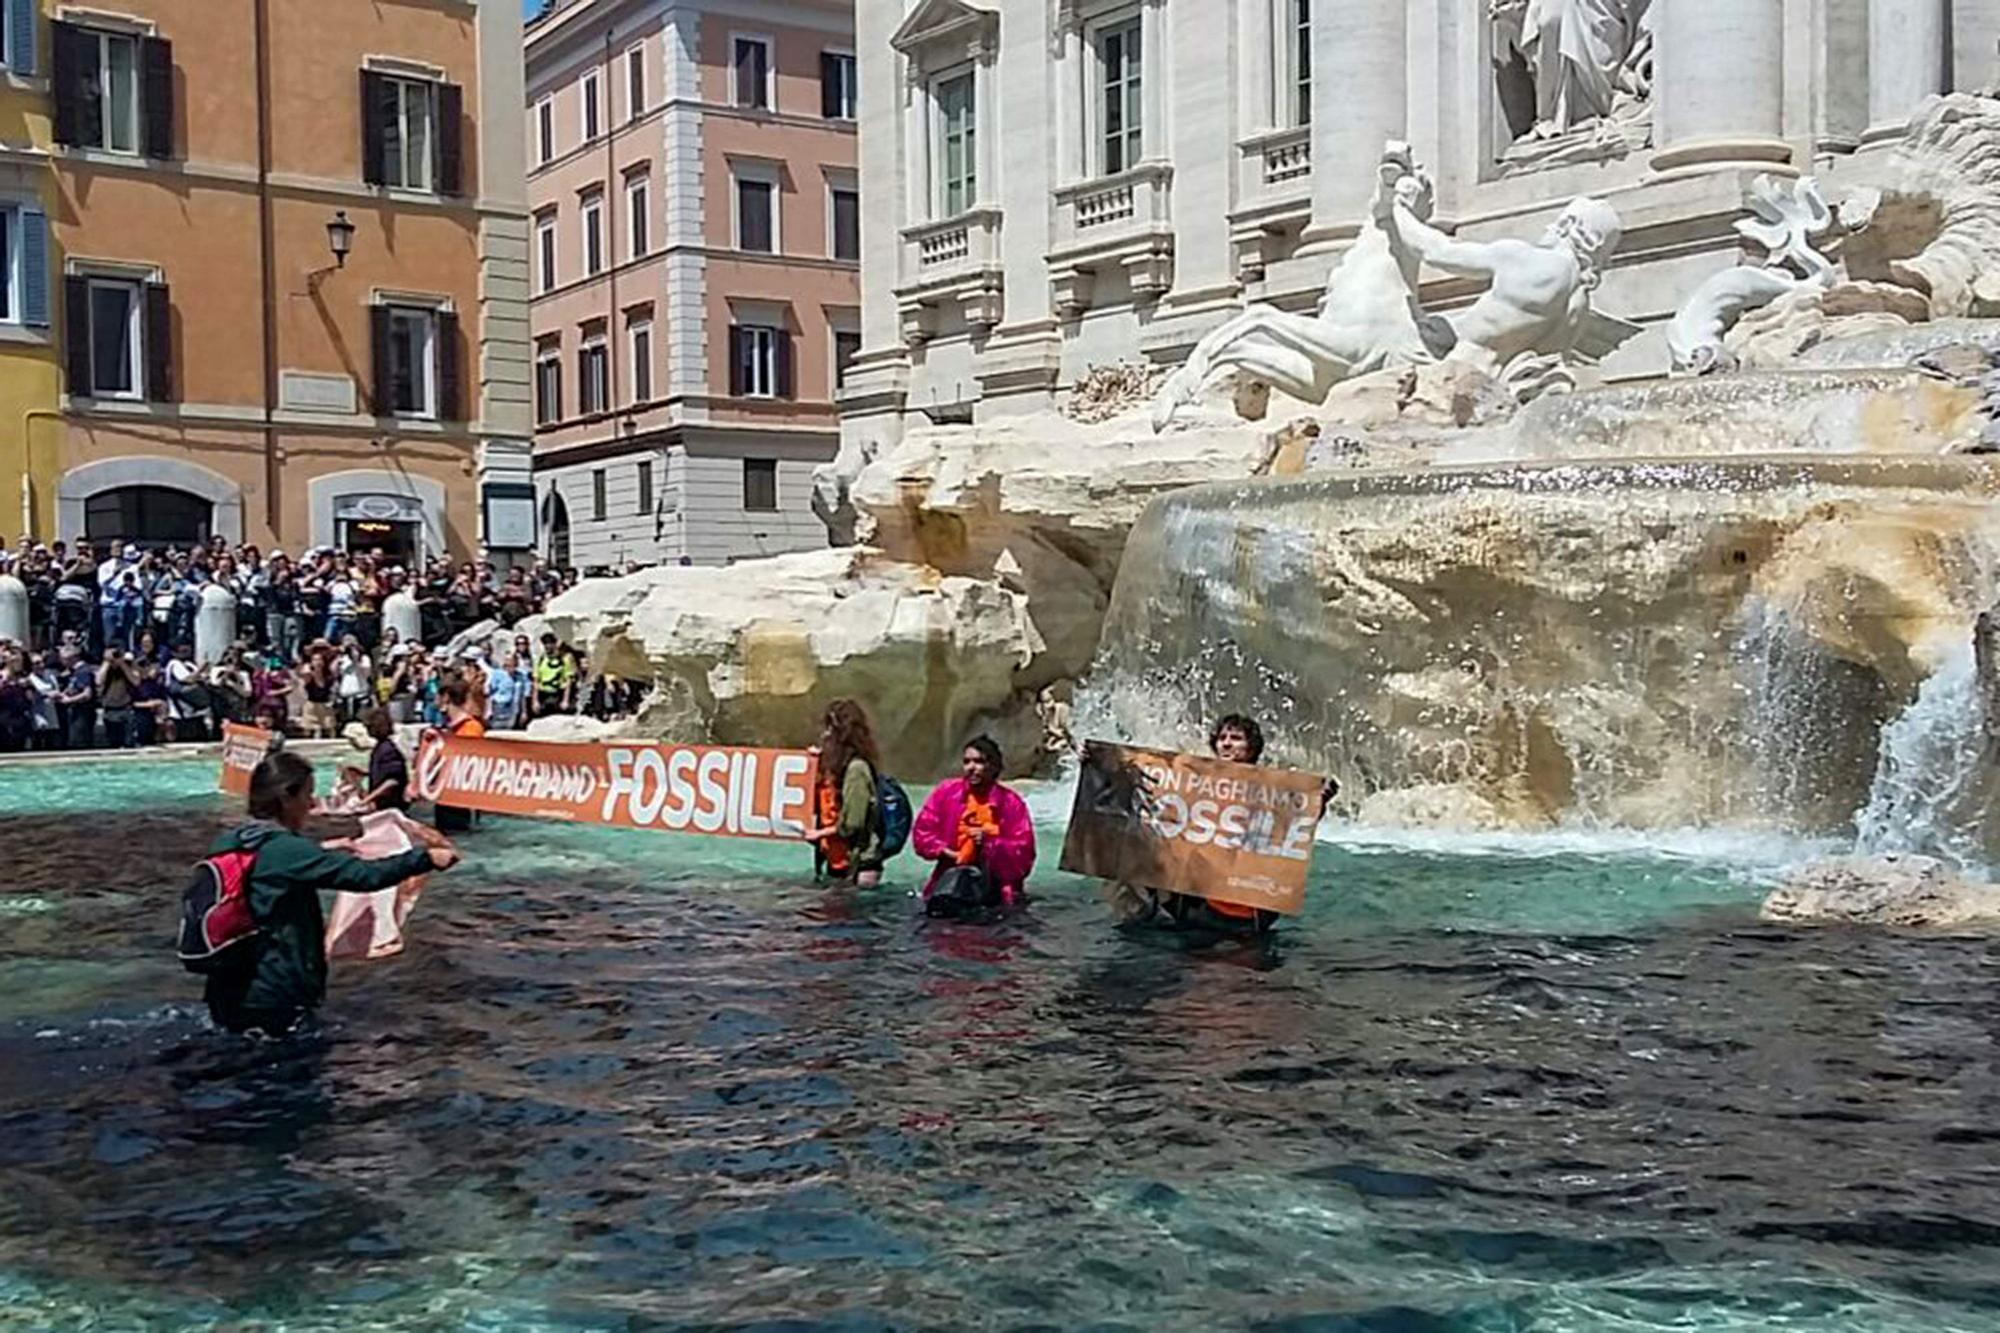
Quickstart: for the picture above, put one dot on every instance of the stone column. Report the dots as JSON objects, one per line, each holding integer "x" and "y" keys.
{"x": 1360, "y": 100}
{"x": 1907, "y": 42}
{"x": 1718, "y": 84}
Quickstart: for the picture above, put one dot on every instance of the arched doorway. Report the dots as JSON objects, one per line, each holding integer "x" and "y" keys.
{"x": 149, "y": 516}
{"x": 555, "y": 524}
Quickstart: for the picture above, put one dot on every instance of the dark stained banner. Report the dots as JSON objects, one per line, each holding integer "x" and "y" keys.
{"x": 1235, "y": 833}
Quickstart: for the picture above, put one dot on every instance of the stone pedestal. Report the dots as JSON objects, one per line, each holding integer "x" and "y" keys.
{"x": 1719, "y": 85}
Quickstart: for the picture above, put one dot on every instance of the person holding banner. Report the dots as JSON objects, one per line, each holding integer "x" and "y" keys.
{"x": 848, "y": 840}
{"x": 974, "y": 823}
{"x": 282, "y": 979}
{"x": 459, "y": 720}
{"x": 1236, "y": 739}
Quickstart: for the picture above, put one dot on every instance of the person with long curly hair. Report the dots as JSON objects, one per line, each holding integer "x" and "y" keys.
{"x": 848, "y": 836}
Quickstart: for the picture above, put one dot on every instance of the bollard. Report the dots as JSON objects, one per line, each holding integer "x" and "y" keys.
{"x": 214, "y": 623}
{"x": 401, "y": 613}
{"x": 13, "y": 609}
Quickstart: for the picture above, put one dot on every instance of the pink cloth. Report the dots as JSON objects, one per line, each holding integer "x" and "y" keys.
{"x": 370, "y": 925}
{"x": 1008, "y": 856}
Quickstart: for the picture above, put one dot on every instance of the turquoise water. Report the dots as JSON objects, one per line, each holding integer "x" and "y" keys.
{"x": 637, "y": 1081}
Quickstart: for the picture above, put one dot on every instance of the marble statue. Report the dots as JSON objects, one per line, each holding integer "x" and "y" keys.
{"x": 1584, "y": 56}
{"x": 1368, "y": 317}
{"x": 1535, "y": 316}
{"x": 1785, "y": 222}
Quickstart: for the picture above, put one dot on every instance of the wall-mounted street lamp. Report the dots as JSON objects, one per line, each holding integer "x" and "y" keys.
{"x": 340, "y": 238}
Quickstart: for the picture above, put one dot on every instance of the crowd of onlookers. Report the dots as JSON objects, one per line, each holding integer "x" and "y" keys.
{"x": 110, "y": 658}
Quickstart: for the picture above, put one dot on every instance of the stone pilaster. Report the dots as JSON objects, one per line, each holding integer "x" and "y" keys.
{"x": 1718, "y": 85}
{"x": 1907, "y": 43}
{"x": 1360, "y": 100}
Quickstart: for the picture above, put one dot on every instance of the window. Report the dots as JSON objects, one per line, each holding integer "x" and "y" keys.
{"x": 957, "y": 179}
{"x": 545, "y": 131}
{"x": 116, "y": 337}
{"x": 151, "y": 516}
{"x": 760, "y": 485}
{"x": 548, "y": 387}
{"x": 24, "y": 266}
{"x": 412, "y": 361}
{"x": 593, "y": 234}
{"x": 545, "y": 251}
{"x": 846, "y": 224}
{"x": 754, "y": 361}
{"x": 646, "y": 486}
{"x": 756, "y": 225}
{"x": 751, "y": 63}
{"x": 639, "y": 215}
{"x": 591, "y": 124}
{"x": 1298, "y": 40}
{"x": 635, "y": 83}
{"x": 593, "y": 379}
{"x": 597, "y": 494}
{"x": 836, "y": 85}
{"x": 109, "y": 103}
{"x": 10, "y": 242}
{"x": 846, "y": 346}
{"x": 641, "y": 334}
{"x": 1118, "y": 105}
{"x": 408, "y": 138}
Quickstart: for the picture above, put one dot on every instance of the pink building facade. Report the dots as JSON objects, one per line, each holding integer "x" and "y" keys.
{"x": 694, "y": 250}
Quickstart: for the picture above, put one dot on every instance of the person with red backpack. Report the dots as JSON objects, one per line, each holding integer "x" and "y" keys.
{"x": 267, "y": 971}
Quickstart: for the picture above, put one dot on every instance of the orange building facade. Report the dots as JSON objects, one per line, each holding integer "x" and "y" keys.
{"x": 694, "y": 255}
{"x": 289, "y": 286}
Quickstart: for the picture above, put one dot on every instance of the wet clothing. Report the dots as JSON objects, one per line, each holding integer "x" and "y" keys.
{"x": 283, "y": 977}
{"x": 849, "y": 809}
{"x": 942, "y": 834}
{"x": 386, "y": 764}
{"x": 452, "y": 818}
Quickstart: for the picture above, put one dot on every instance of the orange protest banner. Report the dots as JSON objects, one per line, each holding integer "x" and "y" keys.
{"x": 243, "y": 748}
{"x": 1235, "y": 833}
{"x": 736, "y": 792}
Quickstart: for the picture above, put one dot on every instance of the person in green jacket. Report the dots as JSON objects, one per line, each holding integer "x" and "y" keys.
{"x": 847, "y": 838}
{"x": 282, "y": 979}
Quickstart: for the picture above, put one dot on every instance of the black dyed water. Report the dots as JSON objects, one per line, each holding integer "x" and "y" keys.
{"x": 630, "y": 1081}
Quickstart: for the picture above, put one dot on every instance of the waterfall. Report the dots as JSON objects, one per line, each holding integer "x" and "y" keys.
{"x": 1927, "y": 795}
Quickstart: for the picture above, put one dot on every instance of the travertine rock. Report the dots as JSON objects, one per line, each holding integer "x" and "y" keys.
{"x": 751, "y": 654}
{"x": 1907, "y": 891}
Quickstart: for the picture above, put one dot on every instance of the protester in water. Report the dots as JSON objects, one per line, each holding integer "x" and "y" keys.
{"x": 282, "y": 976}
{"x": 974, "y": 821}
{"x": 1237, "y": 739}
{"x": 460, "y": 720}
{"x": 848, "y": 835}
{"x": 388, "y": 770}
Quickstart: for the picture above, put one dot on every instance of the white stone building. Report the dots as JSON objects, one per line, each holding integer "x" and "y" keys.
{"x": 1054, "y": 184}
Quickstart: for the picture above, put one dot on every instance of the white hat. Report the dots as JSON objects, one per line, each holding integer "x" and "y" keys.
{"x": 357, "y": 735}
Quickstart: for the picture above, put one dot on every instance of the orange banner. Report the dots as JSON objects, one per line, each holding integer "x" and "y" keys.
{"x": 1235, "y": 833}
{"x": 243, "y": 748}
{"x": 742, "y": 793}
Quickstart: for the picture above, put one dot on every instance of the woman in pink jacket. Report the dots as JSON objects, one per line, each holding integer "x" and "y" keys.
{"x": 974, "y": 821}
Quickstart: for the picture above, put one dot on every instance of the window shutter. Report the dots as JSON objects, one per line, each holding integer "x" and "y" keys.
{"x": 374, "y": 90}
{"x": 781, "y": 351}
{"x": 21, "y": 35}
{"x": 378, "y": 349}
{"x": 451, "y": 138}
{"x": 34, "y": 268}
{"x": 735, "y": 361}
{"x": 555, "y": 390}
{"x": 159, "y": 344}
{"x": 447, "y": 367}
{"x": 829, "y": 86}
{"x": 156, "y": 95}
{"x": 75, "y": 68}
{"x": 76, "y": 332}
